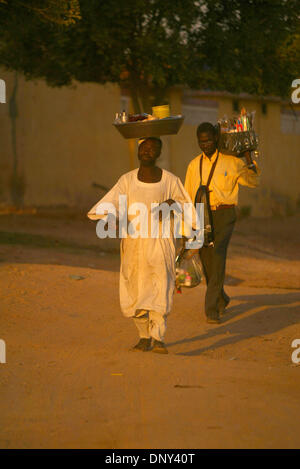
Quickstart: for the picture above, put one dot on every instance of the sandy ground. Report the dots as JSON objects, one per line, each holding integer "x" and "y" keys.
{"x": 70, "y": 381}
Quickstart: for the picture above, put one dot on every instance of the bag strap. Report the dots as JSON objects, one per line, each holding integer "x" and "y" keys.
{"x": 211, "y": 171}
{"x": 203, "y": 191}
{"x": 209, "y": 177}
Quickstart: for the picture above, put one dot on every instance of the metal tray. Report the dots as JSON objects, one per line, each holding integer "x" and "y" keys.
{"x": 154, "y": 128}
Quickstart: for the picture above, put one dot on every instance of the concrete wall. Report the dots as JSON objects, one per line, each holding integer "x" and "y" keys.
{"x": 65, "y": 142}
{"x": 56, "y": 143}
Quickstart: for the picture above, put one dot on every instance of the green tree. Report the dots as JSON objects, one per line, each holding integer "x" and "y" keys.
{"x": 255, "y": 45}
{"x": 150, "y": 45}
{"x": 64, "y": 12}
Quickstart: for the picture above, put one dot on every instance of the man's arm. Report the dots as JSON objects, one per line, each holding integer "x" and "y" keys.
{"x": 188, "y": 181}
{"x": 249, "y": 161}
{"x": 248, "y": 174}
{"x": 110, "y": 198}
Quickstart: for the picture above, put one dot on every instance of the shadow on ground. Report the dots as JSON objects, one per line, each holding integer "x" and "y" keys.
{"x": 272, "y": 313}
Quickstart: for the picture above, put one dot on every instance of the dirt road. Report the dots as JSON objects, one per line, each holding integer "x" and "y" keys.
{"x": 69, "y": 380}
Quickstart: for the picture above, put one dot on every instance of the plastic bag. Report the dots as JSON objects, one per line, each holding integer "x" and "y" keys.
{"x": 188, "y": 272}
{"x": 237, "y": 143}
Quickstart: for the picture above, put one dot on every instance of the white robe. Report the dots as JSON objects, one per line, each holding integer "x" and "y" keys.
{"x": 147, "y": 273}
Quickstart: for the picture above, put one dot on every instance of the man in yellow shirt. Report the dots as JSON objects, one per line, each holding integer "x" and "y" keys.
{"x": 227, "y": 172}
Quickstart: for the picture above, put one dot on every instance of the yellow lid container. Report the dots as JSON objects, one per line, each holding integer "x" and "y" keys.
{"x": 161, "y": 111}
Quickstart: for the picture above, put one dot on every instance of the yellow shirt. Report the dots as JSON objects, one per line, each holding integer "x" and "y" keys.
{"x": 230, "y": 171}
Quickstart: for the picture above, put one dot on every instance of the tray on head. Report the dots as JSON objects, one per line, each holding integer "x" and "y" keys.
{"x": 151, "y": 128}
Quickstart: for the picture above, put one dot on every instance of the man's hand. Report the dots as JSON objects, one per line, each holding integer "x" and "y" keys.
{"x": 247, "y": 156}
{"x": 249, "y": 161}
{"x": 168, "y": 202}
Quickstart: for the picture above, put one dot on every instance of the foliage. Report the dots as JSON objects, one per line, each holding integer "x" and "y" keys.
{"x": 149, "y": 46}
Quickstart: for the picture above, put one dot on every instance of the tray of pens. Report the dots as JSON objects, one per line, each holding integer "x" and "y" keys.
{"x": 236, "y": 135}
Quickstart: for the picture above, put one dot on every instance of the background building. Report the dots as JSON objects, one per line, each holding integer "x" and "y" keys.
{"x": 59, "y": 147}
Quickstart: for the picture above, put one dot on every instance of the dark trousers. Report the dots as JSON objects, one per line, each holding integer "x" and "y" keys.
{"x": 214, "y": 261}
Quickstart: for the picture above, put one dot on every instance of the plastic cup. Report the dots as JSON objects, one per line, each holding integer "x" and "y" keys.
{"x": 161, "y": 111}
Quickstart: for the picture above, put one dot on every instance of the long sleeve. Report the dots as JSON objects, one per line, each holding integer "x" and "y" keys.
{"x": 110, "y": 202}
{"x": 248, "y": 177}
{"x": 188, "y": 184}
{"x": 179, "y": 193}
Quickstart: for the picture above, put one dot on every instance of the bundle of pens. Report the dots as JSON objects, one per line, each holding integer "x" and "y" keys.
{"x": 236, "y": 135}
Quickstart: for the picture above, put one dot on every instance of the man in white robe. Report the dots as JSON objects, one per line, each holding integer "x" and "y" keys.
{"x": 147, "y": 273}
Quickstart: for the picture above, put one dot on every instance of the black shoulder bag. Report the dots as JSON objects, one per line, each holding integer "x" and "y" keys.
{"x": 202, "y": 196}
